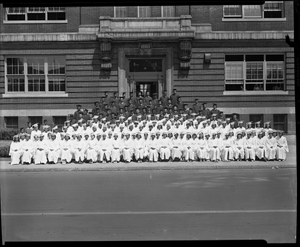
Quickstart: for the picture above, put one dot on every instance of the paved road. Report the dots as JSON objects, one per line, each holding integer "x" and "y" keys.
{"x": 149, "y": 205}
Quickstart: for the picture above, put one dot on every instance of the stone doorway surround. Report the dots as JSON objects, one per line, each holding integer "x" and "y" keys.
{"x": 165, "y": 80}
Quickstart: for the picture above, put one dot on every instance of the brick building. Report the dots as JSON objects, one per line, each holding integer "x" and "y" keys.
{"x": 52, "y": 58}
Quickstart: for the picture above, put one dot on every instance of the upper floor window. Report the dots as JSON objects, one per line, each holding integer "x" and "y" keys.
{"x": 35, "y": 14}
{"x": 121, "y": 11}
{"x": 168, "y": 11}
{"x": 259, "y": 72}
{"x": 271, "y": 9}
{"x": 35, "y": 74}
{"x": 144, "y": 11}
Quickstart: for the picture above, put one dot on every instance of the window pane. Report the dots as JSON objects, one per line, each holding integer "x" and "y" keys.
{"x": 56, "y": 16}
{"x": 252, "y": 11}
{"x": 255, "y": 118}
{"x": 121, "y": 11}
{"x": 232, "y": 10}
{"x": 36, "y": 84}
{"x": 11, "y": 122}
{"x": 15, "y": 17}
{"x": 280, "y": 122}
{"x": 35, "y": 66}
{"x": 36, "y": 16}
{"x": 168, "y": 11}
{"x": 144, "y": 11}
{"x": 234, "y": 57}
{"x": 56, "y": 84}
{"x": 15, "y": 84}
{"x": 56, "y": 65}
{"x": 15, "y": 66}
{"x": 274, "y": 57}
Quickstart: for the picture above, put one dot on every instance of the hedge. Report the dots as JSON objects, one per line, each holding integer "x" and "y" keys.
{"x": 4, "y": 151}
{"x": 7, "y": 134}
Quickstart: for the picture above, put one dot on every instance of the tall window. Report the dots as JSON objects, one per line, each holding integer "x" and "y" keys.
{"x": 35, "y": 14}
{"x": 280, "y": 122}
{"x": 271, "y": 9}
{"x": 35, "y": 74}
{"x": 121, "y": 11}
{"x": 11, "y": 122}
{"x": 144, "y": 11}
{"x": 261, "y": 72}
{"x": 168, "y": 11}
{"x": 255, "y": 118}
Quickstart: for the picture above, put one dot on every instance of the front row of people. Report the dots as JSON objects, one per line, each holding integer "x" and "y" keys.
{"x": 147, "y": 146}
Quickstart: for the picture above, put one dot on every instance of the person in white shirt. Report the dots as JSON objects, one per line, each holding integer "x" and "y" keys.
{"x": 91, "y": 151}
{"x": 15, "y": 150}
{"x": 239, "y": 147}
{"x": 214, "y": 148}
{"x": 139, "y": 147}
{"x": 164, "y": 147}
{"x": 188, "y": 152}
{"x": 53, "y": 149}
{"x": 105, "y": 148}
{"x": 79, "y": 149}
{"x": 202, "y": 148}
{"x": 282, "y": 146}
{"x": 27, "y": 150}
{"x": 117, "y": 147}
{"x": 153, "y": 148}
{"x": 41, "y": 151}
{"x": 227, "y": 151}
{"x": 66, "y": 147}
{"x": 271, "y": 146}
{"x": 250, "y": 146}
{"x": 176, "y": 152}
{"x": 260, "y": 151}
{"x": 127, "y": 149}
{"x": 35, "y": 131}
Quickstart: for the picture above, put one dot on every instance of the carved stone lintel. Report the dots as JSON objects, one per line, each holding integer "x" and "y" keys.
{"x": 145, "y": 48}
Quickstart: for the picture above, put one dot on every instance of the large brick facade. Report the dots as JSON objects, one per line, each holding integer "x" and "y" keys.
{"x": 86, "y": 81}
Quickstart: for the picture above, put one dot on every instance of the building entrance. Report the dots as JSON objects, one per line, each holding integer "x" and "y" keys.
{"x": 143, "y": 87}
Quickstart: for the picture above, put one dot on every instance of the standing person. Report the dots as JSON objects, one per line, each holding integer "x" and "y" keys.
{"x": 174, "y": 97}
{"x": 205, "y": 111}
{"x": 77, "y": 112}
{"x": 282, "y": 146}
{"x": 215, "y": 110}
{"x": 15, "y": 150}
{"x": 196, "y": 106}
{"x": 235, "y": 120}
{"x": 147, "y": 98}
{"x": 96, "y": 108}
{"x": 35, "y": 131}
{"x": 164, "y": 99}
{"x": 155, "y": 100}
{"x": 28, "y": 128}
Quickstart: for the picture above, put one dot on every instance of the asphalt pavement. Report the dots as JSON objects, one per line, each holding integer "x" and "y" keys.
{"x": 207, "y": 204}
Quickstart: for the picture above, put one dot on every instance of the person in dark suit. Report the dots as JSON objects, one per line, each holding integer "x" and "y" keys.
{"x": 205, "y": 111}
{"x": 174, "y": 97}
{"x": 164, "y": 99}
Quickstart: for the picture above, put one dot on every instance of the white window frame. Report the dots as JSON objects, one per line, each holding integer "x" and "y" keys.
{"x": 26, "y": 76}
{"x": 264, "y": 83}
{"x": 6, "y": 21}
{"x": 232, "y": 16}
{"x": 115, "y": 11}
{"x": 255, "y": 18}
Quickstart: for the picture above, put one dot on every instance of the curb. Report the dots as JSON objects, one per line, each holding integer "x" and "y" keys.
{"x": 94, "y": 167}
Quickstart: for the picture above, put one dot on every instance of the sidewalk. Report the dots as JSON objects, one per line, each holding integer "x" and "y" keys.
{"x": 289, "y": 163}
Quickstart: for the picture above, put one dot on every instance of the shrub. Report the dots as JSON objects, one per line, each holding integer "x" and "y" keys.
{"x": 4, "y": 151}
{"x": 7, "y": 134}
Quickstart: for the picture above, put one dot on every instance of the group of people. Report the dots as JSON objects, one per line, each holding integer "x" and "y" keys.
{"x": 170, "y": 136}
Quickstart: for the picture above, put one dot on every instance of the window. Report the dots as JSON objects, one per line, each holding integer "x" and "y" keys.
{"x": 168, "y": 11}
{"x": 59, "y": 121}
{"x": 121, "y": 11}
{"x": 11, "y": 122}
{"x": 271, "y": 9}
{"x": 255, "y": 118}
{"x": 145, "y": 65}
{"x": 280, "y": 122}
{"x": 254, "y": 72}
{"x": 36, "y": 14}
{"x": 35, "y": 74}
{"x": 35, "y": 119}
{"x": 144, "y": 11}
